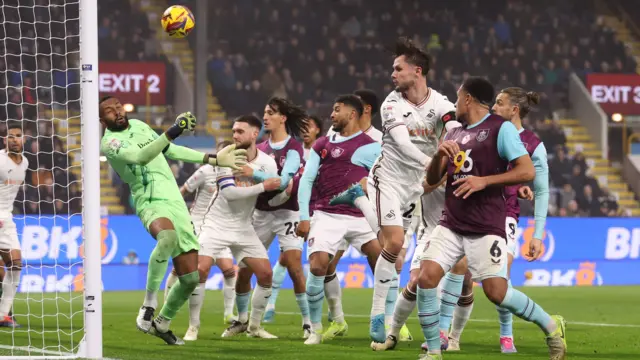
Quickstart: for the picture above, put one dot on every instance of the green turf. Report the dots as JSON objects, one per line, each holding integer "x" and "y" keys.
{"x": 581, "y": 306}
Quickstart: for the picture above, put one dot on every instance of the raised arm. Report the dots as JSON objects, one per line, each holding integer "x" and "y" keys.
{"x": 394, "y": 125}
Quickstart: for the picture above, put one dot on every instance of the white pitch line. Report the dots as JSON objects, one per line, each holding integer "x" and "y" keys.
{"x": 569, "y": 322}
{"x": 30, "y": 350}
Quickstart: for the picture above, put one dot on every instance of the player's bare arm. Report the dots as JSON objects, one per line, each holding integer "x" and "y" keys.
{"x": 438, "y": 166}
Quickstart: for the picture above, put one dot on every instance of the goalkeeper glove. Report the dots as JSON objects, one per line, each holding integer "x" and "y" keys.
{"x": 184, "y": 121}
{"x": 229, "y": 157}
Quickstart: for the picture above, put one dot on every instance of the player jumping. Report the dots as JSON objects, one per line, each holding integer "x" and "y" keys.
{"x": 335, "y": 163}
{"x": 475, "y": 159}
{"x": 136, "y": 152}
{"x": 13, "y": 168}
{"x": 512, "y": 104}
{"x": 413, "y": 117}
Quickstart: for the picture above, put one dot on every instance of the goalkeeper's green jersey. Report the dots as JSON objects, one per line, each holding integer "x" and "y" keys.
{"x": 149, "y": 183}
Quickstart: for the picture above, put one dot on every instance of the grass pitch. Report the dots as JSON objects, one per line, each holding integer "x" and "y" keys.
{"x": 603, "y": 323}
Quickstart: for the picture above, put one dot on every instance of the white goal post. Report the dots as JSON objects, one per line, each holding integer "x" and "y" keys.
{"x": 49, "y": 85}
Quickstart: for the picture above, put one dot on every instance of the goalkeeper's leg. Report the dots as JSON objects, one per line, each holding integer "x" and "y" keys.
{"x": 163, "y": 230}
{"x": 186, "y": 265}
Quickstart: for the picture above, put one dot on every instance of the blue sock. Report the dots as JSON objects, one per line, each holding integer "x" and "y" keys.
{"x": 429, "y": 315}
{"x": 242, "y": 303}
{"x": 390, "y": 303}
{"x": 525, "y": 308}
{"x": 315, "y": 298}
{"x": 279, "y": 272}
{"x": 303, "y": 304}
{"x": 506, "y": 319}
{"x": 451, "y": 291}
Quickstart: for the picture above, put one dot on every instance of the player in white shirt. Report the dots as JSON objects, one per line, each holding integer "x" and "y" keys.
{"x": 203, "y": 183}
{"x": 314, "y": 129}
{"x": 227, "y": 225}
{"x": 13, "y": 168}
{"x": 413, "y": 118}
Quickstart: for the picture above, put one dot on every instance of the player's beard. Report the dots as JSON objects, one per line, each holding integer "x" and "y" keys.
{"x": 14, "y": 148}
{"x": 243, "y": 145}
{"x": 403, "y": 87}
{"x": 119, "y": 127}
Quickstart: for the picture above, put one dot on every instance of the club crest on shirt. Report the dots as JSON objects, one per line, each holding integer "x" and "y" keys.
{"x": 323, "y": 154}
{"x": 466, "y": 139}
{"x": 482, "y": 135}
{"x": 431, "y": 114}
{"x": 337, "y": 152}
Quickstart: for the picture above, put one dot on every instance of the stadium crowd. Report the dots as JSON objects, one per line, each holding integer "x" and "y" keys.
{"x": 40, "y": 67}
{"x": 261, "y": 48}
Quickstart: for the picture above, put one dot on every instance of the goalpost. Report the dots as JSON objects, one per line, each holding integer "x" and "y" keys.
{"x": 49, "y": 57}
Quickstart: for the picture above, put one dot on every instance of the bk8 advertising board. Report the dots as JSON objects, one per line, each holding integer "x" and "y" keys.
{"x": 576, "y": 252}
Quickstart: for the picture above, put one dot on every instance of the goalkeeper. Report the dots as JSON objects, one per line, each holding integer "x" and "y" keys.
{"x": 138, "y": 155}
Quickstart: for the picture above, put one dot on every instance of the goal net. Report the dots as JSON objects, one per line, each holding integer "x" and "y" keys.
{"x": 46, "y": 87}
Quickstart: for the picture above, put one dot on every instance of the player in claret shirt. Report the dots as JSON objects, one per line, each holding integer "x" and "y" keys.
{"x": 335, "y": 163}
{"x": 512, "y": 104}
{"x": 476, "y": 158}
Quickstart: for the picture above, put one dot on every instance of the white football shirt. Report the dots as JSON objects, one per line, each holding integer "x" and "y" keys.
{"x": 425, "y": 123}
{"x": 236, "y": 215}
{"x": 203, "y": 182}
{"x": 373, "y": 133}
{"x": 12, "y": 177}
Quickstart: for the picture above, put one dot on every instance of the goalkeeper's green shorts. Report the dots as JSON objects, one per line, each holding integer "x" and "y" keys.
{"x": 178, "y": 214}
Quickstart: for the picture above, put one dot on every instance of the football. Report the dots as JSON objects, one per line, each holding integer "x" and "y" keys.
{"x": 178, "y": 21}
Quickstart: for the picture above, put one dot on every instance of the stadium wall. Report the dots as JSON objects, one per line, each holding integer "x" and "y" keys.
{"x": 577, "y": 252}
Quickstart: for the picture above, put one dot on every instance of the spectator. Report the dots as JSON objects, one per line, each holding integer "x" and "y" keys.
{"x": 589, "y": 205}
{"x": 567, "y": 194}
{"x": 270, "y": 81}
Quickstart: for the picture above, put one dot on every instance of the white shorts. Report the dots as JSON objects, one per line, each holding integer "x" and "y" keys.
{"x": 239, "y": 244}
{"x": 224, "y": 254}
{"x": 510, "y": 229}
{"x": 283, "y": 223}
{"x": 328, "y": 231}
{"x": 486, "y": 255}
{"x": 392, "y": 202}
{"x": 8, "y": 235}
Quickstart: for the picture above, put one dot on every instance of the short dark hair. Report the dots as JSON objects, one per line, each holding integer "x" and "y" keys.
{"x": 370, "y": 98}
{"x": 413, "y": 54}
{"x": 317, "y": 121}
{"x": 480, "y": 89}
{"x": 251, "y": 119}
{"x": 14, "y": 124}
{"x": 105, "y": 98}
{"x": 352, "y": 101}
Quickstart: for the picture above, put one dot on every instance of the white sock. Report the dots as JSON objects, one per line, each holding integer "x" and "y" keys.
{"x": 229, "y": 293}
{"x": 460, "y": 317}
{"x": 171, "y": 279}
{"x": 404, "y": 307}
{"x": 196, "y": 300}
{"x": 383, "y": 274}
{"x": 150, "y": 299}
{"x": 259, "y": 301}
{"x": 9, "y": 289}
{"x": 333, "y": 294}
{"x": 162, "y": 323}
{"x": 363, "y": 204}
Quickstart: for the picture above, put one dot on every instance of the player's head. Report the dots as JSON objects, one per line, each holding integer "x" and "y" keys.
{"x": 280, "y": 112}
{"x": 314, "y": 129}
{"x": 474, "y": 93}
{"x": 245, "y": 131}
{"x": 515, "y": 102}
{"x": 112, "y": 114}
{"x": 346, "y": 108}
{"x": 369, "y": 101}
{"x": 410, "y": 65}
{"x": 15, "y": 140}
{"x": 222, "y": 145}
